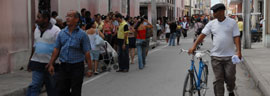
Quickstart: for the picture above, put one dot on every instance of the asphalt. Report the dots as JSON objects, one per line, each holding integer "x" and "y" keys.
{"x": 252, "y": 74}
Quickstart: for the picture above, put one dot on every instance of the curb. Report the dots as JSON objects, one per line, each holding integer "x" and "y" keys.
{"x": 258, "y": 79}
{"x": 20, "y": 91}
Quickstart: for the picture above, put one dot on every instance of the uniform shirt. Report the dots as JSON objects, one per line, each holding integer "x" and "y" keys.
{"x": 224, "y": 33}
{"x": 44, "y": 44}
{"x": 240, "y": 25}
{"x": 72, "y": 46}
{"x": 123, "y": 28}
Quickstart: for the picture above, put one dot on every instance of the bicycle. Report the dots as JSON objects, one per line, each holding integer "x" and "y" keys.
{"x": 196, "y": 82}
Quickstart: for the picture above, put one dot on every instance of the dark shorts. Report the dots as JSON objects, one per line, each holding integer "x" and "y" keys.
{"x": 147, "y": 40}
{"x": 114, "y": 40}
{"x": 168, "y": 35}
{"x": 132, "y": 42}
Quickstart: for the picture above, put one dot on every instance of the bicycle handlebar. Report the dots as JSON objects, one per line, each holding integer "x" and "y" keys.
{"x": 205, "y": 51}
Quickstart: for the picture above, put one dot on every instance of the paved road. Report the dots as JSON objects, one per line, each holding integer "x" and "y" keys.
{"x": 163, "y": 76}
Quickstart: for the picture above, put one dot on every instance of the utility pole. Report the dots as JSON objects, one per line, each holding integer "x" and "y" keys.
{"x": 154, "y": 19}
{"x": 128, "y": 11}
{"x": 246, "y": 15}
{"x": 190, "y": 8}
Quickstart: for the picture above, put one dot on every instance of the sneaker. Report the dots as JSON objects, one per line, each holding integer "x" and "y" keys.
{"x": 231, "y": 94}
{"x": 96, "y": 73}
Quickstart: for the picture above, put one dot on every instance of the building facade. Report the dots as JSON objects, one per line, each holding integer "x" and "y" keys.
{"x": 20, "y": 15}
{"x": 260, "y": 11}
{"x": 172, "y": 9}
{"x": 198, "y": 7}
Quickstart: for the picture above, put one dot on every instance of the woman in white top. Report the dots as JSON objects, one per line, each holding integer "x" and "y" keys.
{"x": 92, "y": 31}
{"x": 167, "y": 31}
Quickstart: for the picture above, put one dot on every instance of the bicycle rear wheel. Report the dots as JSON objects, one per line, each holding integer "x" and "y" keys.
{"x": 204, "y": 81}
{"x": 189, "y": 86}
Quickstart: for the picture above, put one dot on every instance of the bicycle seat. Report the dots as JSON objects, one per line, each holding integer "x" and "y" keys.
{"x": 199, "y": 55}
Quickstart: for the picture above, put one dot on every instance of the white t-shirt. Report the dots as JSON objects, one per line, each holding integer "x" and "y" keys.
{"x": 185, "y": 25}
{"x": 224, "y": 33}
{"x": 167, "y": 28}
{"x": 44, "y": 45}
{"x": 53, "y": 21}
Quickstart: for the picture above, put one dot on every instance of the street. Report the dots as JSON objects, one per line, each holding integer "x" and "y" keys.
{"x": 163, "y": 76}
{"x": 67, "y": 33}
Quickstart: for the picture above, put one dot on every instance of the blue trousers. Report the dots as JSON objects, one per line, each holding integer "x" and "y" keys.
{"x": 141, "y": 50}
{"x": 172, "y": 39}
{"x": 38, "y": 79}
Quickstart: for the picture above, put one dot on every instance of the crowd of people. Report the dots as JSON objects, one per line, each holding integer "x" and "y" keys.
{"x": 175, "y": 29}
{"x": 61, "y": 49}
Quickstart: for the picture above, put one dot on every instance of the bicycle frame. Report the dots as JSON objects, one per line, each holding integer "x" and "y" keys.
{"x": 198, "y": 75}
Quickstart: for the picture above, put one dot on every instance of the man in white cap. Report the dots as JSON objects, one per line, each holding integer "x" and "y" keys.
{"x": 226, "y": 37}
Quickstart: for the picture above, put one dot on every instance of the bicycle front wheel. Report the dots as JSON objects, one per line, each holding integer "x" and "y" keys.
{"x": 189, "y": 86}
{"x": 204, "y": 81}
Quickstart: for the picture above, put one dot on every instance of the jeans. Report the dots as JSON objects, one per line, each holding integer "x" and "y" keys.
{"x": 38, "y": 79}
{"x": 141, "y": 51}
{"x": 123, "y": 55}
{"x": 172, "y": 39}
{"x": 70, "y": 79}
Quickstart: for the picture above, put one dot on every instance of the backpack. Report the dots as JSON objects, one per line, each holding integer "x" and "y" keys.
{"x": 149, "y": 32}
{"x": 199, "y": 30}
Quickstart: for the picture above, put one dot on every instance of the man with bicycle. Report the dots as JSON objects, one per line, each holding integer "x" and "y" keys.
{"x": 226, "y": 37}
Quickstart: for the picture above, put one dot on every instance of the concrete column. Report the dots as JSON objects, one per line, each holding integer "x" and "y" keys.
{"x": 254, "y": 17}
{"x": 154, "y": 19}
{"x": 59, "y": 11}
{"x": 266, "y": 25}
{"x": 149, "y": 13}
{"x": 246, "y": 19}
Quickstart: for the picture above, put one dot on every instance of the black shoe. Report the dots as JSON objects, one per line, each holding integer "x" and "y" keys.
{"x": 96, "y": 73}
{"x": 125, "y": 70}
{"x": 231, "y": 94}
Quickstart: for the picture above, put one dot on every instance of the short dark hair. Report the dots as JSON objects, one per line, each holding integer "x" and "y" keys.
{"x": 77, "y": 15}
{"x": 240, "y": 18}
{"x": 45, "y": 14}
{"x": 97, "y": 15}
{"x": 82, "y": 10}
{"x": 118, "y": 15}
{"x": 89, "y": 25}
{"x": 54, "y": 14}
{"x": 87, "y": 13}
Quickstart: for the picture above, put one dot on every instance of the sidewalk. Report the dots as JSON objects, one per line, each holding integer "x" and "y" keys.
{"x": 257, "y": 61}
{"x": 16, "y": 83}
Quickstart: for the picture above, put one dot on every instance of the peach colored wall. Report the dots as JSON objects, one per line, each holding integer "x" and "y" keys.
{"x": 67, "y": 5}
{"x": 54, "y": 5}
{"x": 94, "y": 6}
{"x": 116, "y": 5}
{"x": 134, "y": 8}
{"x": 5, "y": 36}
{"x": 14, "y": 33}
{"x": 103, "y": 7}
